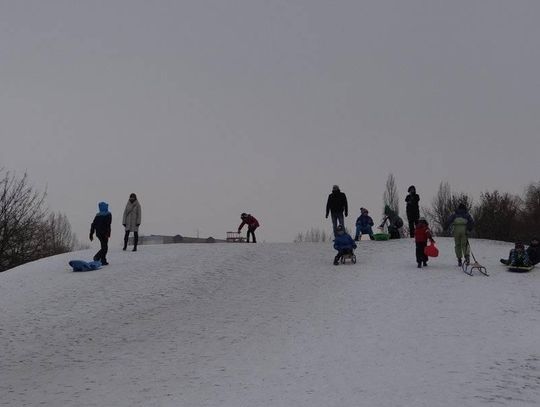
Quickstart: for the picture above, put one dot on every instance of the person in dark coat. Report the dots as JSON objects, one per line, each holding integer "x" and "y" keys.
{"x": 413, "y": 210}
{"x": 394, "y": 222}
{"x": 337, "y": 207}
{"x": 252, "y": 224}
{"x": 533, "y": 251}
{"x": 101, "y": 226}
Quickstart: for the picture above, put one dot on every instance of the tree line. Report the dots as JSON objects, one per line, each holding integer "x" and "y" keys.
{"x": 497, "y": 215}
{"x": 28, "y": 230}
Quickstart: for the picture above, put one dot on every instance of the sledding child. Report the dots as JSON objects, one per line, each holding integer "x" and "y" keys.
{"x": 364, "y": 225}
{"x": 101, "y": 225}
{"x": 421, "y": 236}
{"x": 518, "y": 257}
{"x": 343, "y": 243}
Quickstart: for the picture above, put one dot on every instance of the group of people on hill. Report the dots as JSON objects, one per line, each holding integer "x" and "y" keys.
{"x": 101, "y": 226}
{"x": 131, "y": 220}
{"x": 460, "y": 221}
{"x": 337, "y": 208}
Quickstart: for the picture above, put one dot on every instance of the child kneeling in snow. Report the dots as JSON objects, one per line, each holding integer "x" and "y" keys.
{"x": 421, "y": 236}
{"x": 343, "y": 243}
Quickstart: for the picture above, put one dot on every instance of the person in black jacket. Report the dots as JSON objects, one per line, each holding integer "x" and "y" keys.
{"x": 337, "y": 207}
{"x": 101, "y": 225}
{"x": 413, "y": 210}
{"x": 534, "y": 251}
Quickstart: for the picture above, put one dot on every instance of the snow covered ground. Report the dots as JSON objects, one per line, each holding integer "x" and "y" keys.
{"x": 270, "y": 325}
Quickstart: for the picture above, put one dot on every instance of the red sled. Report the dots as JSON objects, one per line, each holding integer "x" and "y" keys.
{"x": 431, "y": 250}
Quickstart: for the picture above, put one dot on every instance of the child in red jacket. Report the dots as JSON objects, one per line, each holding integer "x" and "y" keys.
{"x": 421, "y": 236}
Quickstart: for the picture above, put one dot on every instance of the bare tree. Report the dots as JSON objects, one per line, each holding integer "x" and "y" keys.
{"x": 442, "y": 206}
{"x": 530, "y": 218}
{"x": 21, "y": 214}
{"x": 496, "y": 216}
{"x": 391, "y": 197}
{"x": 56, "y": 235}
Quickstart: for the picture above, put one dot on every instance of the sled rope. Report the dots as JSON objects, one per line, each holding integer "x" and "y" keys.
{"x": 469, "y": 268}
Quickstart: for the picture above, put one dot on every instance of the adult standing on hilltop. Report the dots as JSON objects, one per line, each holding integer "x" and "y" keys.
{"x": 132, "y": 220}
{"x": 337, "y": 207}
{"x": 413, "y": 210}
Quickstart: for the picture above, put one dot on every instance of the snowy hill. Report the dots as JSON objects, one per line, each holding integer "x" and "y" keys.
{"x": 270, "y": 325}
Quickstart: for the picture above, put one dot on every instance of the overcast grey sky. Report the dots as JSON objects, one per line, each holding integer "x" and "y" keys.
{"x": 210, "y": 108}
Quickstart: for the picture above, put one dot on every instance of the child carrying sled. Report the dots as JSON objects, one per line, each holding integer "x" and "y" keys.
{"x": 343, "y": 243}
{"x": 421, "y": 236}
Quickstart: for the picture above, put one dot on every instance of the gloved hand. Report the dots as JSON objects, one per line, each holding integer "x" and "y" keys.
{"x": 124, "y": 225}
{"x": 91, "y": 237}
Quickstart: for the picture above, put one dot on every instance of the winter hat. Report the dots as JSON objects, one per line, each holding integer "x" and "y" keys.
{"x": 340, "y": 228}
{"x": 411, "y": 188}
{"x": 243, "y": 215}
{"x": 520, "y": 245}
{"x": 132, "y": 195}
{"x": 421, "y": 219}
{"x": 103, "y": 207}
{"x": 462, "y": 207}
{"x": 335, "y": 188}
{"x": 364, "y": 210}
{"x": 534, "y": 241}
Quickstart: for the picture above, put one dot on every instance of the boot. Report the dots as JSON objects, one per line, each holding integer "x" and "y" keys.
{"x": 419, "y": 265}
{"x": 126, "y": 238}
{"x": 459, "y": 263}
{"x": 135, "y": 241}
{"x": 336, "y": 260}
{"x": 467, "y": 260}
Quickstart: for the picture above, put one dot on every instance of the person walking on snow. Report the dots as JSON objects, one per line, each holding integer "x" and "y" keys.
{"x": 462, "y": 223}
{"x": 413, "y": 210}
{"x": 132, "y": 220}
{"x": 421, "y": 236}
{"x": 364, "y": 225}
{"x": 337, "y": 207}
{"x": 101, "y": 226}
{"x": 251, "y": 223}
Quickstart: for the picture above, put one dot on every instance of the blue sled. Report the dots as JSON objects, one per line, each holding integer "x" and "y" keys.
{"x": 80, "y": 265}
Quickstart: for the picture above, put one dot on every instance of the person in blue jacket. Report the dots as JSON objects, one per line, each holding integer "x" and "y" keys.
{"x": 343, "y": 243}
{"x": 101, "y": 226}
{"x": 364, "y": 225}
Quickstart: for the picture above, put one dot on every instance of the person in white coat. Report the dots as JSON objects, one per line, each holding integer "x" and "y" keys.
{"x": 132, "y": 220}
